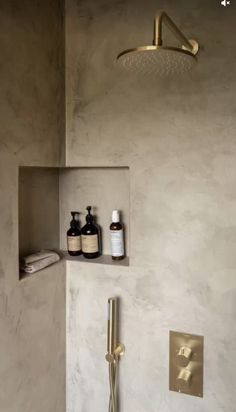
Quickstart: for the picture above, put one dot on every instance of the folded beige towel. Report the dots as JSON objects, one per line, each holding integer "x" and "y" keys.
{"x": 40, "y": 260}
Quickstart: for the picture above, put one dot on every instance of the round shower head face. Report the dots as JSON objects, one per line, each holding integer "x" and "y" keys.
{"x": 157, "y": 60}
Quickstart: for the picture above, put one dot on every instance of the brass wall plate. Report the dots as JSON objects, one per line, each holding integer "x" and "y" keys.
{"x": 186, "y": 376}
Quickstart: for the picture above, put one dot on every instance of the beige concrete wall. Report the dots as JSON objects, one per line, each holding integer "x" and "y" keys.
{"x": 32, "y": 313}
{"x": 178, "y": 138}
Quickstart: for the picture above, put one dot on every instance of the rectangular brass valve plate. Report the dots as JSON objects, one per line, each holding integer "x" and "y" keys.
{"x": 194, "y": 366}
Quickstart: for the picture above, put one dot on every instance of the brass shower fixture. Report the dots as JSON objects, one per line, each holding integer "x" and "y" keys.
{"x": 160, "y": 59}
{"x": 114, "y": 351}
{"x": 187, "y": 45}
{"x": 186, "y": 363}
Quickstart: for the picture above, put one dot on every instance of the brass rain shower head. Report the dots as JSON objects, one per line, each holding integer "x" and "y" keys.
{"x": 159, "y": 59}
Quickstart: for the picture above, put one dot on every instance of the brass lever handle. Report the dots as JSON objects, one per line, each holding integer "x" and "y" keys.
{"x": 184, "y": 379}
{"x": 184, "y": 355}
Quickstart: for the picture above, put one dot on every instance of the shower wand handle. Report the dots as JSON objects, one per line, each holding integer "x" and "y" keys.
{"x": 112, "y": 325}
{"x": 114, "y": 348}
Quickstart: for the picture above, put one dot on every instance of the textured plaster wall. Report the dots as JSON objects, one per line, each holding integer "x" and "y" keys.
{"x": 32, "y": 312}
{"x": 178, "y": 138}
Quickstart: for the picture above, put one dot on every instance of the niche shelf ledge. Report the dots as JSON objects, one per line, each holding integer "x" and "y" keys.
{"x": 104, "y": 259}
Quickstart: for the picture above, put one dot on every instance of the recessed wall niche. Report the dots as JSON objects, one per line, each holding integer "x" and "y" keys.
{"x": 102, "y": 188}
{"x": 48, "y": 195}
{"x": 38, "y": 209}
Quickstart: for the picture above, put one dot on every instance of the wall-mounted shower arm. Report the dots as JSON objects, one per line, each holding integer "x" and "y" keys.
{"x": 162, "y": 17}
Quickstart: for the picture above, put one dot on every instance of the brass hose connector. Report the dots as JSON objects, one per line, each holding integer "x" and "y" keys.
{"x": 119, "y": 351}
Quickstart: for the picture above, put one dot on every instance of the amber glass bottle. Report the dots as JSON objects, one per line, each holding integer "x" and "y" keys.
{"x": 74, "y": 237}
{"x": 117, "y": 237}
{"x": 90, "y": 237}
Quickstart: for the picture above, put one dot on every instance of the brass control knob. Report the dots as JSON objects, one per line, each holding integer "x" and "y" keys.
{"x": 184, "y": 355}
{"x": 110, "y": 358}
{"x": 184, "y": 379}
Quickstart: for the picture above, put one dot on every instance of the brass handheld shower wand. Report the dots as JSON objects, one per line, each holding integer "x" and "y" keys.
{"x": 114, "y": 351}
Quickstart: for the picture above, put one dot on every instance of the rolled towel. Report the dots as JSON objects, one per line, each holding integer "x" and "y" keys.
{"x": 40, "y": 260}
{"x": 34, "y": 257}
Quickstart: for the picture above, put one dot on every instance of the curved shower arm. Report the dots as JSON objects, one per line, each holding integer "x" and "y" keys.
{"x": 162, "y": 17}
